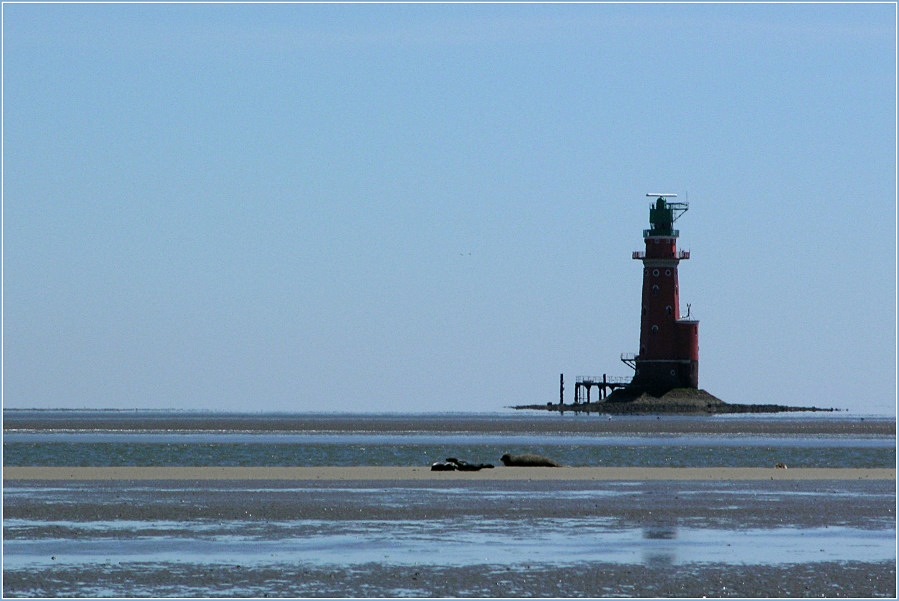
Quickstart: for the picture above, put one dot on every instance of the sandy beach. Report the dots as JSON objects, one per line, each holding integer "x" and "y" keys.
{"x": 396, "y": 474}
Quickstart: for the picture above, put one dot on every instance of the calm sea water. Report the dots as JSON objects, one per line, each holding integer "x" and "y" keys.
{"x": 196, "y": 439}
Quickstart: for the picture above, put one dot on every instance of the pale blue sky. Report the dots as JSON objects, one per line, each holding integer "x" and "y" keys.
{"x": 433, "y": 207}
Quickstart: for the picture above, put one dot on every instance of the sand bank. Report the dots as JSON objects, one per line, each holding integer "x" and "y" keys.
{"x": 339, "y": 474}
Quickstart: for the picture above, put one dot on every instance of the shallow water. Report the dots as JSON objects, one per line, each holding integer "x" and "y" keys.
{"x": 410, "y": 544}
{"x": 170, "y": 439}
{"x": 461, "y": 542}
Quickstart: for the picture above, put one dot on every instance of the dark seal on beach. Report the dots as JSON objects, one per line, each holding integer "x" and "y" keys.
{"x": 443, "y": 466}
{"x": 452, "y": 464}
{"x": 527, "y": 461}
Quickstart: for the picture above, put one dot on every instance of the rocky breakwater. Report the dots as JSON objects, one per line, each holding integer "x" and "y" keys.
{"x": 684, "y": 401}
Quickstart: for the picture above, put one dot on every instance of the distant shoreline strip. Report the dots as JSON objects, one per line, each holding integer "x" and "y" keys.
{"x": 349, "y": 474}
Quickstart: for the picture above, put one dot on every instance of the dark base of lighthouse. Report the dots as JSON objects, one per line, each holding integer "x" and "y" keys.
{"x": 658, "y": 377}
{"x": 686, "y": 398}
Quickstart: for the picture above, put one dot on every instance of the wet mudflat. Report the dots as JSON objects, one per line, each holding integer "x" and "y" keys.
{"x": 499, "y": 538}
{"x": 819, "y": 579}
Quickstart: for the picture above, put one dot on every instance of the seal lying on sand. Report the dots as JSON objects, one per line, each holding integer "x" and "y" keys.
{"x": 443, "y": 466}
{"x": 527, "y": 461}
{"x": 464, "y": 466}
{"x": 452, "y": 464}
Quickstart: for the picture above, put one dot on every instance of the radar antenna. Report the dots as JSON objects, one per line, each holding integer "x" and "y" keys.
{"x": 663, "y": 214}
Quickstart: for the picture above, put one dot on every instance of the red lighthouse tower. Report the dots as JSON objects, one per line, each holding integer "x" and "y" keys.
{"x": 669, "y": 344}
